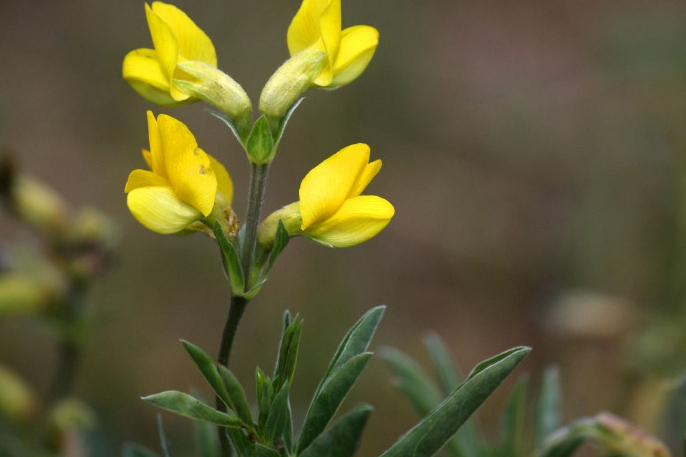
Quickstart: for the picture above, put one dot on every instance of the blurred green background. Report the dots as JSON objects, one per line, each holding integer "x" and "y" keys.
{"x": 533, "y": 151}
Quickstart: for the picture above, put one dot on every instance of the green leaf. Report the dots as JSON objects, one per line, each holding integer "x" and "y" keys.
{"x": 281, "y": 239}
{"x": 288, "y": 353}
{"x": 282, "y": 126}
{"x": 424, "y": 396}
{"x": 232, "y": 264}
{"x": 185, "y": 405}
{"x": 132, "y": 450}
{"x": 512, "y": 421}
{"x": 241, "y": 442}
{"x": 208, "y": 369}
{"x": 265, "y": 395}
{"x": 264, "y": 451}
{"x": 206, "y": 439}
{"x": 343, "y": 438}
{"x": 260, "y": 144}
{"x": 413, "y": 381}
{"x": 355, "y": 342}
{"x": 429, "y": 435}
{"x": 548, "y": 414}
{"x": 163, "y": 437}
{"x": 230, "y": 123}
{"x": 448, "y": 373}
{"x": 327, "y": 401}
{"x": 279, "y": 415}
{"x": 238, "y": 402}
{"x": 563, "y": 447}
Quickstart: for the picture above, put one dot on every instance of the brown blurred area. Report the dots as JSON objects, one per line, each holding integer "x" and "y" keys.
{"x": 530, "y": 148}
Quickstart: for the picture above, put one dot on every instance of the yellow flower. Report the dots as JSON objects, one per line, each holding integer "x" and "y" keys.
{"x": 317, "y": 24}
{"x": 331, "y": 209}
{"x": 183, "y": 184}
{"x": 176, "y": 39}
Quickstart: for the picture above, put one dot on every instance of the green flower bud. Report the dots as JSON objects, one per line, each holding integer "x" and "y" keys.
{"x": 288, "y": 83}
{"x": 21, "y": 294}
{"x": 218, "y": 89}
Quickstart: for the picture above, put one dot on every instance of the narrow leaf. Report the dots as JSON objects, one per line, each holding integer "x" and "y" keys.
{"x": 265, "y": 395}
{"x": 208, "y": 369}
{"x": 448, "y": 373}
{"x": 244, "y": 446}
{"x": 512, "y": 421}
{"x": 238, "y": 402}
{"x": 343, "y": 438}
{"x": 229, "y": 122}
{"x": 548, "y": 413}
{"x": 413, "y": 381}
{"x": 232, "y": 264}
{"x": 207, "y": 441}
{"x": 288, "y": 354}
{"x": 185, "y": 405}
{"x": 281, "y": 239}
{"x": 264, "y": 451}
{"x": 279, "y": 415}
{"x": 327, "y": 401}
{"x": 163, "y": 437}
{"x": 427, "y": 437}
{"x": 356, "y": 341}
{"x": 279, "y": 131}
{"x": 260, "y": 144}
{"x": 562, "y": 448}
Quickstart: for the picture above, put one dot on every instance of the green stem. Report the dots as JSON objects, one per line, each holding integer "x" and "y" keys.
{"x": 258, "y": 181}
{"x": 238, "y": 305}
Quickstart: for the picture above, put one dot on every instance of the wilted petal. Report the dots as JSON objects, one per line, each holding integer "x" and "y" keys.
{"x": 188, "y": 167}
{"x": 144, "y": 178}
{"x": 160, "y": 210}
{"x": 224, "y": 182}
{"x": 325, "y": 187}
{"x": 356, "y": 221}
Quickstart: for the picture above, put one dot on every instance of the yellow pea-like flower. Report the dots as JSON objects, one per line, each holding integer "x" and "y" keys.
{"x": 176, "y": 39}
{"x": 331, "y": 209}
{"x": 317, "y": 24}
{"x": 183, "y": 182}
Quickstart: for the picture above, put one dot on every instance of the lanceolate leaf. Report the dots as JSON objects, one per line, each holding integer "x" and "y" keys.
{"x": 279, "y": 414}
{"x": 264, "y": 451}
{"x": 240, "y": 440}
{"x": 281, "y": 239}
{"x": 548, "y": 414}
{"x": 512, "y": 425}
{"x": 163, "y": 437}
{"x": 427, "y": 437}
{"x": 355, "y": 342}
{"x": 413, "y": 381}
{"x": 343, "y": 438}
{"x": 208, "y": 369}
{"x": 207, "y": 440}
{"x": 236, "y": 395}
{"x": 232, "y": 263}
{"x": 327, "y": 401}
{"x": 448, "y": 373}
{"x": 288, "y": 353}
{"x": 186, "y": 405}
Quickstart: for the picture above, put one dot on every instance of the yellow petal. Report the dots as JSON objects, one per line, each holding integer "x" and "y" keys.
{"x": 192, "y": 42}
{"x": 147, "y": 156}
{"x": 365, "y": 177}
{"x": 142, "y": 65}
{"x": 188, "y": 167}
{"x": 304, "y": 29}
{"x": 160, "y": 210}
{"x": 357, "y": 49}
{"x": 224, "y": 182}
{"x": 325, "y": 187}
{"x": 144, "y": 178}
{"x": 166, "y": 47}
{"x": 156, "y": 153}
{"x": 330, "y": 29}
{"x": 357, "y": 220}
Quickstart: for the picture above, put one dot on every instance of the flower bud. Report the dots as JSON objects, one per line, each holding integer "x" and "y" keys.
{"x": 66, "y": 417}
{"x": 291, "y": 218}
{"x": 288, "y": 83}
{"x": 218, "y": 89}
{"x": 39, "y": 205}
{"x": 21, "y": 294}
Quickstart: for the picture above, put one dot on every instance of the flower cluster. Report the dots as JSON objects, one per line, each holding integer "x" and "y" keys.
{"x": 186, "y": 189}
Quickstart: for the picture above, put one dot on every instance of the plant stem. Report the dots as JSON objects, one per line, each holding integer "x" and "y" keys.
{"x": 238, "y": 305}
{"x": 258, "y": 181}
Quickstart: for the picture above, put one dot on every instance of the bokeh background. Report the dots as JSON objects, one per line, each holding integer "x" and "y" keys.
{"x": 533, "y": 150}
